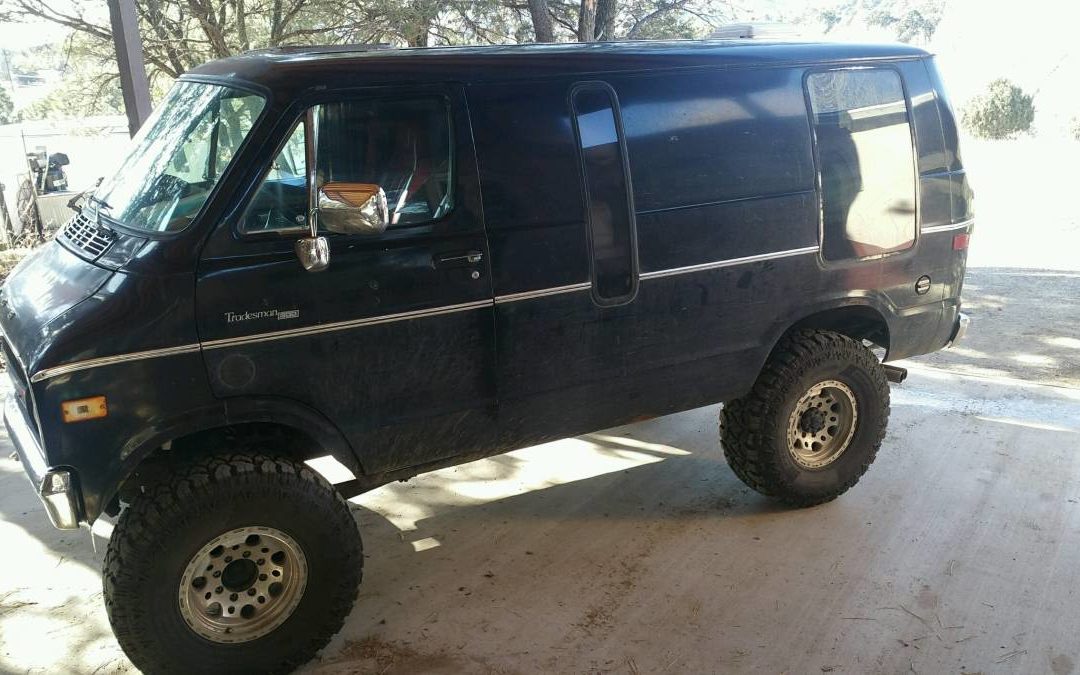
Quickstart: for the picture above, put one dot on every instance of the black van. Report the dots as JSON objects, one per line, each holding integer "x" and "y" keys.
{"x": 408, "y": 259}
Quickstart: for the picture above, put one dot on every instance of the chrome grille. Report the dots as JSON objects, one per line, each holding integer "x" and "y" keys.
{"x": 85, "y": 235}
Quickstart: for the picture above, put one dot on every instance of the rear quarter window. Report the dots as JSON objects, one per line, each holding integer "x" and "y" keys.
{"x": 866, "y": 160}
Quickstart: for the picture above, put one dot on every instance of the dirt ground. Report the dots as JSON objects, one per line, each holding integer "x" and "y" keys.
{"x": 635, "y": 550}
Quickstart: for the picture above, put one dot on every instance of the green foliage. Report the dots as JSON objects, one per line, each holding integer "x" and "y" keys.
{"x": 908, "y": 20}
{"x": 78, "y": 96}
{"x": 830, "y": 18}
{"x": 7, "y": 106}
{"x": 179, "y": 35}
{"x": 915, "y": 26}
{"x": 1003, "y": 111}
{"x": 90, "y": 84}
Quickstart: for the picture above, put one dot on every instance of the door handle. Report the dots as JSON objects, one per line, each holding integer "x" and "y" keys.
{"x": 469, "y": 257}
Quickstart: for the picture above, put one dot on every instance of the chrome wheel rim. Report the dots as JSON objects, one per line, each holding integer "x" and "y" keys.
{"x": 243, "y": 584}
{"x": 822, "y": 424}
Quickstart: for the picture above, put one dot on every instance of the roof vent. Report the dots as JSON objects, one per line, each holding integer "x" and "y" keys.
{"x": 749, "y": 31}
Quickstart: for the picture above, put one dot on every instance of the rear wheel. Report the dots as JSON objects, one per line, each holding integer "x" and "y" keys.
{"x": 813, "y": 422}
{"x": 238, "y": 563}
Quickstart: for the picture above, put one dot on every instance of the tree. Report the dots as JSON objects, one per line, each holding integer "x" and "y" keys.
{"x": 181, "y": 34}
{"x": 1003, "y": 111}
{"x": 7, "y": 106}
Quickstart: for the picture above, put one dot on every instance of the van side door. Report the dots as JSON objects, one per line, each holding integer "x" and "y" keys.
{"x": 572, "y": 338}
{"x": 392, "y": 343}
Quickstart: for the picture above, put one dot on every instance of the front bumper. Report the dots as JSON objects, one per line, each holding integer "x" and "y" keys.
{"x": 55, "y": 487}
{"x": 960, "y": 329}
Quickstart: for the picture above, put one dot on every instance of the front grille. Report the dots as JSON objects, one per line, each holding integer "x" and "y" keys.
{"x": 86, "y": 236}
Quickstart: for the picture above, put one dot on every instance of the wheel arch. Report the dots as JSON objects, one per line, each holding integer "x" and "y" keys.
{"x": 281, "y": 425}
{"x": 860, "y": 318}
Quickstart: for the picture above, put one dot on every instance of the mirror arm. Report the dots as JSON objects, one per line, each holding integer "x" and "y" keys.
{"x": 312, "y": 250}
{"x": 311, "y": 142}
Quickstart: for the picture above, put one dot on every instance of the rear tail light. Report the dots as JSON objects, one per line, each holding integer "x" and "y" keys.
{"x": 960, "y": 241}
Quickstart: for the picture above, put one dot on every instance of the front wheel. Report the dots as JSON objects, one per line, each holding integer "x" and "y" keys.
{"x": 813, "y": 422}
{"x": 238, "y": 563}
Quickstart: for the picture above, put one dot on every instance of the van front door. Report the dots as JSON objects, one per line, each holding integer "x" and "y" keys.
{"x": 392, "y": 343}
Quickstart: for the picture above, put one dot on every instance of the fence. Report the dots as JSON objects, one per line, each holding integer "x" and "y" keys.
{"x": 94, "y": 145}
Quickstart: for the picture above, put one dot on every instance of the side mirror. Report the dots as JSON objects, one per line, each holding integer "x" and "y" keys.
{"x": 313, "y": 252}
{"x": 353, "y": 208}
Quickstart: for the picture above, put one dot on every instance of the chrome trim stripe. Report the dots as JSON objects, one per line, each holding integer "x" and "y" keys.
{"x": 401, "y": 316}
{"x": 729, "y": 262}
{"x": 946, "y": 228}
{"x": 343, "y": 325}
{"x": 526, "y": 295}
{"x": 110, "y": 360}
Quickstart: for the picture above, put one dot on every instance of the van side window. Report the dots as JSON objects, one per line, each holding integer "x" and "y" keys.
{"x": 866, "y": 159}
{"x": 609, "y": 207}
{"x": 403, "y": 146}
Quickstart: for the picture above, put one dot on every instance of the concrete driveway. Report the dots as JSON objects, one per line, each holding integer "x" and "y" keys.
{"x": 636, "y": 550}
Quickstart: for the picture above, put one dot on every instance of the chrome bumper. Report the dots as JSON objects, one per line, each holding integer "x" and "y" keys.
{"x": 56, "y": 488}
{"x": 959, "y": 330}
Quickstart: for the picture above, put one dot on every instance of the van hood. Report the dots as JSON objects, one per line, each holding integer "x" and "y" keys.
{"x": 47, "y": 283}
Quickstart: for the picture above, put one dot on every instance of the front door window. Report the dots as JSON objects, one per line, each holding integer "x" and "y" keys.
{"x": 401, "y": 145}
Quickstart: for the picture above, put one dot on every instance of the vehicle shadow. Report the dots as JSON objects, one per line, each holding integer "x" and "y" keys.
{"x": 510, "y": 539}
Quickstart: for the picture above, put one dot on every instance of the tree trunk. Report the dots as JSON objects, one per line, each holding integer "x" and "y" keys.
{"x": 587, "y": 21}
{"x": 241, "y": 26}
{"x": 605, "y": 19}
{"x": 541, "y": 21}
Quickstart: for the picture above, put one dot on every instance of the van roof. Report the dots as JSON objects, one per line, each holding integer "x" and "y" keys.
{"x": 290, "y": 67}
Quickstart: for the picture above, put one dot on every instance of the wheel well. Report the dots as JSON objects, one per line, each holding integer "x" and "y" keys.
{"x": 266, "y": 437}
{"x": 855, "y": 321}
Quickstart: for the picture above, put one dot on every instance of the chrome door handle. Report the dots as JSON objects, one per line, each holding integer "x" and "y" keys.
{"x": 471, "y": 257}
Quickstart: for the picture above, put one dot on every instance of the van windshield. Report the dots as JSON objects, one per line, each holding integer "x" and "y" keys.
{"x": 178, "y": 157}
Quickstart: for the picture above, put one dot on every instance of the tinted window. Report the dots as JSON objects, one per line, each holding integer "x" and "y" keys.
{"x": 403, "y": 146}
{"x": 607, "y": 200}
{"x": 866, "y": 161}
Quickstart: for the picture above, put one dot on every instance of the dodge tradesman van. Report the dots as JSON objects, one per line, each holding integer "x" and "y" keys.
{"x": 408, "y": 259}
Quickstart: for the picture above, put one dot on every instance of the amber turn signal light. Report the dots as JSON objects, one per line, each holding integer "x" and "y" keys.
{"x": 83, "y": 409}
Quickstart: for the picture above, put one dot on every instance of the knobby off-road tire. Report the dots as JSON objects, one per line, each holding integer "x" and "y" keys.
{"x": 831, "y": 378}
{"x": 171, "y": 534}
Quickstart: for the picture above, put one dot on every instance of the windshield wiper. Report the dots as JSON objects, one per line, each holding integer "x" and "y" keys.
{"x": 100, "y": 202}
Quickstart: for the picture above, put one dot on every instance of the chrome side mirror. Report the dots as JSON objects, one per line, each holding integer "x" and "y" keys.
{"x": 313, "y": 252}
{"x": 353, "y": 208}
